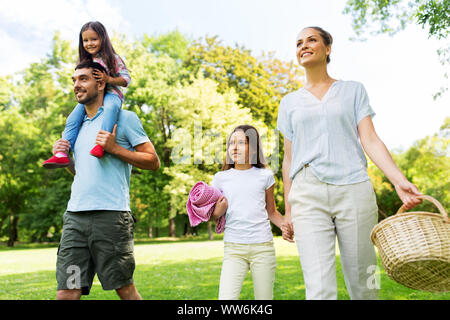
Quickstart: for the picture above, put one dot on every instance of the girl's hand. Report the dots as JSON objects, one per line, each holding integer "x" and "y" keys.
{"x": 221, "y": 206}
{"x": 100, "y": 76}
{"x": 407, "y": 192}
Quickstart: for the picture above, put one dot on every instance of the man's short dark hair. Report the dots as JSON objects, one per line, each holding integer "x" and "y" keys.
{"x": 90, "y": 65}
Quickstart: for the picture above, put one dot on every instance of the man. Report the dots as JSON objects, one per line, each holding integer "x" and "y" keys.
{"x": 98, "y": 228}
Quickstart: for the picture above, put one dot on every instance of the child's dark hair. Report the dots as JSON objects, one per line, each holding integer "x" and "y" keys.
{"x": 106, "y": 51}
{"x": 251, "y": 134}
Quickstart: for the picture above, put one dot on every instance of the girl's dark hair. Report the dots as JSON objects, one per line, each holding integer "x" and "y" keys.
{"x": 106, "y": 51}
{"x": 326, "y": 36}
{"x": 252, "y": 136}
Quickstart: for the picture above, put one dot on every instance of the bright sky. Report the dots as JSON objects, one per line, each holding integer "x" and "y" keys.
{"x": 400, "y": 73}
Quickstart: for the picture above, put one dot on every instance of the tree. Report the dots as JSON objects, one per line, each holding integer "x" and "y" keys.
{"x": 426, "y": 164}
{"x": 391, "y": 16}
{"x": 259, "y": 82}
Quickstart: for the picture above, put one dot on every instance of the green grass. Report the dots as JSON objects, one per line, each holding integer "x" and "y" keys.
{"x": 172, "y": 270}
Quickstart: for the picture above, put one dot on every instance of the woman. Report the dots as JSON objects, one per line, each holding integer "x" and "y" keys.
{"x": 326, "y": 186}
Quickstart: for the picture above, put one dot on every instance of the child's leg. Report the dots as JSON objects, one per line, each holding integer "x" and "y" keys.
{"x": 73, "y": 124}
{"x": 263, "y": 264}
{"x": 111, "y": 108}
{"x": 234, "y": 269}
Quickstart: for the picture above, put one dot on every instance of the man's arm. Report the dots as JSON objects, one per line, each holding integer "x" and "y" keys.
{"x": 144, "y": 156}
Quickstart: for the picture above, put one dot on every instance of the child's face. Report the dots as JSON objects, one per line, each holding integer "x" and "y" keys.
{"x": 238, "y": 148}
{"x": 91, "y": 41}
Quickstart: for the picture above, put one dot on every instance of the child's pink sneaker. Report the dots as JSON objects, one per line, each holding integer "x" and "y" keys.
{"x": 59, "y": 160}
{"x": 97, "y": 151}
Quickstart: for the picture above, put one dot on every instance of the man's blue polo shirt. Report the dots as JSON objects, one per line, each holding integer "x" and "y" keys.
{"x": 104, "y": 184}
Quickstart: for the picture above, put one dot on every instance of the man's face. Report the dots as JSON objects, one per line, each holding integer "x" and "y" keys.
{"x": 85, "y": 87}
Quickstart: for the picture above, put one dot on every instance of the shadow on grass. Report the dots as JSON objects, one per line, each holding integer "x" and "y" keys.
{"x": 196, "y": 280}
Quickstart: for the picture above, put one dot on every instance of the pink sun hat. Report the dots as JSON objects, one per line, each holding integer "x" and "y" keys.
{"x": 201, "y": 201}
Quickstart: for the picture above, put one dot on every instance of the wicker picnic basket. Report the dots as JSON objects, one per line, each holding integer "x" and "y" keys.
{"x": 414, "y": 248}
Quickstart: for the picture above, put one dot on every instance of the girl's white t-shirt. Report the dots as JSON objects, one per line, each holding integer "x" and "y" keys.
{"x": 246, "y": 218}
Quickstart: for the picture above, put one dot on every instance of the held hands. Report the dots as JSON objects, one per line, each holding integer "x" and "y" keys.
{"x": 100, "y": 76}
{"x": 287, "y": 230}
{"x": 407, "y": 192}
{"x": 107, "y": 140}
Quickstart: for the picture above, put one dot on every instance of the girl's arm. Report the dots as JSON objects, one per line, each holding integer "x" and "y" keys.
{"x": 220, "y": 208}
{"x": 275, "y": 216}
{"x": 115, "y": 81}
{"x": 379, "y": 154}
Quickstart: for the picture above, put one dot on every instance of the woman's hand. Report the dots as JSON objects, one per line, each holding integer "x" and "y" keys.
{"x": 408, "y": 192}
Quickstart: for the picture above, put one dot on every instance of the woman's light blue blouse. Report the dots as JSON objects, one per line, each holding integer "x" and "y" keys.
{"x": 324, "y": 133}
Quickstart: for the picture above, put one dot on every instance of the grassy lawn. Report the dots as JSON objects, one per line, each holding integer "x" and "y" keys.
{"x": 174, "y": 270}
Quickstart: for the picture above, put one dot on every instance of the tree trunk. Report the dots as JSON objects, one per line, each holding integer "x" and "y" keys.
{"x": 13, "y": 234}
{"x": 172, "y": 227}
{"x": 210, "y": 234}
{"x": 187, "y": 229}
{"x": 156, "y": 232}
{"x": 150, "y": 232}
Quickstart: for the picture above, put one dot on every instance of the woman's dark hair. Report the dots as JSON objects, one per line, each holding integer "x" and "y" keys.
{"x": 106, "y": 51}
{"x": 252, "y": 136}
{"x": 326, "y": 36}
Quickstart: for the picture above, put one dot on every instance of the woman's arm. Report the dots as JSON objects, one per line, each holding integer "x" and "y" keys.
{"x": 287, "y": 182}
{"x": 379, "y": 154}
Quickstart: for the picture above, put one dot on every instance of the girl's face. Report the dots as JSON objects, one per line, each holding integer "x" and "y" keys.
{"x": 91, "y": 41}
{"x": 238, "y": 148}
{"x": 311, "y": 49}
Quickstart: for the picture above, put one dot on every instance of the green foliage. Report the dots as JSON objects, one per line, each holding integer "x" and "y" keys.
{"x": 189, "y": 96}
{"x": 259, "y": 82}
{"x": 391, "y": 16}
{"x": 427, "y": 165}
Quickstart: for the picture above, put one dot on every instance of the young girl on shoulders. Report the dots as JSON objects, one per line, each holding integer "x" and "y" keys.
{"x": 95, "y": 45}
{"x": 249, "y": 205}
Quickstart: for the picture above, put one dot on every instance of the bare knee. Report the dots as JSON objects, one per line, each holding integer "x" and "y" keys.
{"x": 129, "y": 292}
{"x": 74, "y": 294}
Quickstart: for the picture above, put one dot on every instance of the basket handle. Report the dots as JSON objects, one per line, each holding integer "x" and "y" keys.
{"x": 434, "y": 201}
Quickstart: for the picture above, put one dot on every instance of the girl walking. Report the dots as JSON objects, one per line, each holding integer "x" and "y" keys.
{"x": 327, "y": 126}
{"x": 95, "y": 45}
{"x": 249, "y": 205}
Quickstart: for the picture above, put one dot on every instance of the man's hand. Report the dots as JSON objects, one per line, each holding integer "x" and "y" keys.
{"x": 107, "y": 140}
{"x": 61, "y": 145}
